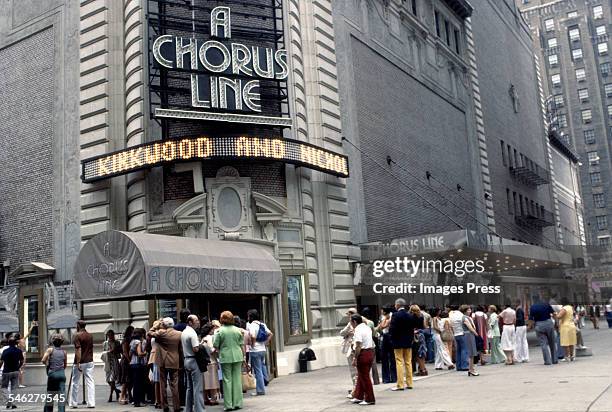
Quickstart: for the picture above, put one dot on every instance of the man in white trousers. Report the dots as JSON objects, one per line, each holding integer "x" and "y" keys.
{"x": 83, "y": 364}
{"x": 521, "y": 351}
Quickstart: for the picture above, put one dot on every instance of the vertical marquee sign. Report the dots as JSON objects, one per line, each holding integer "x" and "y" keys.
{"x": 218, "y": 73}
{"x": 218, "y": 62}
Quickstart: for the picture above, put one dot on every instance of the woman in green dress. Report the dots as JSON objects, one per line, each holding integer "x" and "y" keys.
{"x": 497, "y": 356}
{"x": 229, "y": 343}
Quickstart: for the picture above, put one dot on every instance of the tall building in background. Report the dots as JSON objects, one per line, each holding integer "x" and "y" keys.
{"x": 571, "y": 39}
{"x": 448, "y": 145}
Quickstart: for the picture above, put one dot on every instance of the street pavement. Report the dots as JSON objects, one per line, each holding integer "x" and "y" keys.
{"x": 583, "y": 385}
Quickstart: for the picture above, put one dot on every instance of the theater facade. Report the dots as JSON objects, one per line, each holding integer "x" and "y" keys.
{"x": 213, "y": 174}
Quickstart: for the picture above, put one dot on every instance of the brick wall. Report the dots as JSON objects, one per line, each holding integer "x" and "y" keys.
{"x": 26, "y": 160}
{"x": 400, "y": 117}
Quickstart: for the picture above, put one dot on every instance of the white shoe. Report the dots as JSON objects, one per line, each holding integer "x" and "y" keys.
{"x": 366, "y": 403}
{"x": 349, "y": 396}
{"x": 22, "y": 386}
{"x": 355, "y": 400}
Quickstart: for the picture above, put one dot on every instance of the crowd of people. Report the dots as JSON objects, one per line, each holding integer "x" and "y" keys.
{"x": 455, "y": 337}
{"x": 199, "y": 362}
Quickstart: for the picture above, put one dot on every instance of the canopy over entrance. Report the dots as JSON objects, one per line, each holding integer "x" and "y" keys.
{"x": 121, "y": 265}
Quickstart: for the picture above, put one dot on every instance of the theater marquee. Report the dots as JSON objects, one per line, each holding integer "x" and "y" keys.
{"x": 203, "y": 148}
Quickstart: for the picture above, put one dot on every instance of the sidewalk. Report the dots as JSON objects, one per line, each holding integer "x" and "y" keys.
{"x": 583, "y": 385}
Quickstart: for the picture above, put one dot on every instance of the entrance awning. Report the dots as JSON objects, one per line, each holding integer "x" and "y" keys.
{"x": 499, "y": 254}
{"x": 117, "y": 265}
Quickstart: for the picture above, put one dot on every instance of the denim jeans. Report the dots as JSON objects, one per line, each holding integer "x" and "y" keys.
{"x": 194, "y": 399}
{"x": 56, "y": 386}
{"x": 257, "y": 363}
{"x": 387, "y": 360}
{"x": 546, "y": 335}
{"x": 461, "y": 360}
{"x": 429, "y": 342}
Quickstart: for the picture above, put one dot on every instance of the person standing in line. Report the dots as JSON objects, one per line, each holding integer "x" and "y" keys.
{"x": 229, "y": 343}
{"x": 194, "y": 399}
{"x": 137, "y": 366}
{"x": 386, "y": 348}
{"x": 419, "y": 346}
{"x": 169, "y": 354}
{"x": 124, "y": 377}
{"x": 402, "y": 329}
{"x": 469, "y": 331}
{"x": 180, "y": 326}
{"x": 83, "y": 364}
{"x": 260, "y": 337}
{"x": 347, "y": 348}
{"x": 497, "y": 356}
{"x": 364, "y": 358}
{"x": 153, "y": 366}
{"x": 56, "y": 360}
{"x": 508, "y": 339}
{"x": 365, "y": 314}
{"x": 110, "y": 355}
{"x": 567, "y": 330}
{"x": 11, "y": 361}
{"x": 540, "y": 318}
{"x": 211, "y": 376}
{"x": 594, "y": 314}
{"x": 521, "y": 350}
{"x": 441, "y": 329}
{"x": 609, "y": 313}
{"x": 480, "y": 320}
{"x": 456, "y": 320}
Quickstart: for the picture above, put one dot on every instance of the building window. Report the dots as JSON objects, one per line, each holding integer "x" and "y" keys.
{"x": 580, "y": 75}
{"x": 447, "y": 32}
{"x": 593, "y": 157}
{"x": 559, "y": 102}
{"x": 610, "y": 110}
{"x": 583, "y": 94}
{"x": 503, "y": 152}
{"x": 577, "y": 54}
{"x": 587, "y": 116}
{"x": 553, "y": 60}
{"x": 604, "y": 241}
{"x": 602, "y": 48}
{"x": 604, "y": 68}
{"x": 595, "y": 178}
{"x": 509, "y": 201}
{"x": 562, "y": 120}
{"x": 574, "y": 34}
{"x": 556, "y": 80}
{"x": 599, "y": 200}
{"x": 600, "y": 30}
{"x": 598, "y": 12}
{"x": 437, "y": 21}
{"x": 414, "y": 7}
{"x": 549, "y": 24}
{"x": 457, "y": 41}
{"x": 572, "y": 14}
{"x": 602, "y": 222}
{"x": 608, "y": 89}
{"x": 552, "y": 42}
{"x": 589, "y": 136}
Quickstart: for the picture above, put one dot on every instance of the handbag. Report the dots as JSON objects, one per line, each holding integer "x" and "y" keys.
{"x": 248, "y": 381}
{"x": 447, "y": 335}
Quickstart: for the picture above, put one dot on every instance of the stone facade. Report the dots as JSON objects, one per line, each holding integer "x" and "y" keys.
{"x": 39, "y": 214}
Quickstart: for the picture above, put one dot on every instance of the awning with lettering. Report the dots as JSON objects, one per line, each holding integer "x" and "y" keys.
{"x": 117, "y": 265}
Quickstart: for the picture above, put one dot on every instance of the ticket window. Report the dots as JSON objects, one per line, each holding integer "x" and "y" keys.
{"x": 32, "y": 306}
